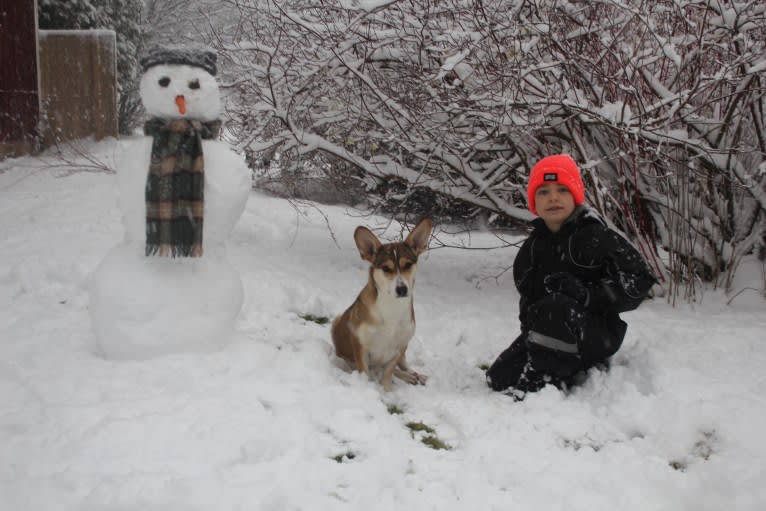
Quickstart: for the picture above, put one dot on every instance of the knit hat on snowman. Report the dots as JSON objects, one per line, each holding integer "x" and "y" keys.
{"x": 560, "y": 169}
{"x": 180, "y": 56}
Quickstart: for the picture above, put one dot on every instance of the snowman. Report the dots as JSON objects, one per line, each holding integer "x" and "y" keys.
{"x": 168, "y": 286}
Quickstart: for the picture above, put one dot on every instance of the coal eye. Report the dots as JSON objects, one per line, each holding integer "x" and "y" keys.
{"x": 164, "y": 81}
{"x": 194, "y": 84}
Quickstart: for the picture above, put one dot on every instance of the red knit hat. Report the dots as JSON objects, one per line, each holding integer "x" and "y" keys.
{"x": 559, "y": 168}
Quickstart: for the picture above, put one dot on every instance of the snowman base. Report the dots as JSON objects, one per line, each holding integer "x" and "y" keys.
{"x": 144, "y": 307}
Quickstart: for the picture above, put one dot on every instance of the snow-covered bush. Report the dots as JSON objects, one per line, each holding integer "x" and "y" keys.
{"x": 662, "y": 102}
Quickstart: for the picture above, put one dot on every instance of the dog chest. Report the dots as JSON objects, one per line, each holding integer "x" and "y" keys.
{"x": 386, "y": 336}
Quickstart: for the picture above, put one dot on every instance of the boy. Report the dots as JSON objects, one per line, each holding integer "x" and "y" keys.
{"x": 574, "y": 275}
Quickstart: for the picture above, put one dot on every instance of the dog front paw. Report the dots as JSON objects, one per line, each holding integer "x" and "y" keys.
{"x": 411, "y": 377}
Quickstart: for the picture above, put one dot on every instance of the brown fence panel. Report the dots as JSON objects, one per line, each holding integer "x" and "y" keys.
{"x": 78, "y": 84}
{"x": 19, "y": 99}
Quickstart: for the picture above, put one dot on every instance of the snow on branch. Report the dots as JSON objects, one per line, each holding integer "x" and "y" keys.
{"x": 664, "y": 100}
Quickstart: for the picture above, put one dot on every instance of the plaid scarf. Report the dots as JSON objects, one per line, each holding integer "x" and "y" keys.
{"x": 175, "y": 186}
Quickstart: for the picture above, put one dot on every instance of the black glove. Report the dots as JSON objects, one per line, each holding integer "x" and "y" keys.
{"x": 505, "y": 371}
{"x": 567, "y": 284}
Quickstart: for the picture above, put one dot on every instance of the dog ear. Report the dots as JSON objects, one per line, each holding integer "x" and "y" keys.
{"x": 420, "y": 236}
{"x": 367, "y": 243}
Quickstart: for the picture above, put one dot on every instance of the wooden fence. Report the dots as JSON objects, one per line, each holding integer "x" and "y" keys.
{"x": 19, "y": 91}
{"x": 78, "y": 86}
{"x": 55, "y": 85}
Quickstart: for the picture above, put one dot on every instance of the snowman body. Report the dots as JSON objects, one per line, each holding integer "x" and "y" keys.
{"x": 146, "y": 306}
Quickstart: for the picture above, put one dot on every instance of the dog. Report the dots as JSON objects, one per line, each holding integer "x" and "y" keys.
{"x": 374, "y": 332}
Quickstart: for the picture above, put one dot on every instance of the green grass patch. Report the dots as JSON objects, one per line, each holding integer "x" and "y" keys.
{"x": 435, "y": 442}
{"x": 395, "y": 410}
{"x": 484, "y": 367}
{"x": 420, "y": 426}
{"x": 427, "y": 435}
{"x": 319, "y": 320}
{"x": 346, "y": 456}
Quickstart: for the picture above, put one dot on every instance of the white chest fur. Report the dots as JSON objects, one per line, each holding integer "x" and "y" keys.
{"x": 390, "y": 331}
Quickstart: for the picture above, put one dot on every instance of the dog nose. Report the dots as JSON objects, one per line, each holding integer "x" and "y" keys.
{"x": 401, "y": 291}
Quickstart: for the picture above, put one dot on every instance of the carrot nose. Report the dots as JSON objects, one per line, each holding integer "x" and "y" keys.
{"x": 181, "y": 104}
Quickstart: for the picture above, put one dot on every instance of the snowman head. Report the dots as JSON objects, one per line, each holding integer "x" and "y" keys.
{"x": 179, "y": 83}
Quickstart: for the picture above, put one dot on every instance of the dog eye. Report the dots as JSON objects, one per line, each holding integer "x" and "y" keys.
{"x": 164, "y": 81}
{"x": 406, "y": 266}
{"x": 386, "y": 269}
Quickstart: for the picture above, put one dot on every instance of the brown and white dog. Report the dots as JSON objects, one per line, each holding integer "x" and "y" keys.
{"x": 374, "y": 332}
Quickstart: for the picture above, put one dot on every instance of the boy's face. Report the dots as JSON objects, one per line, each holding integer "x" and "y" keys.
{"x": 554, "y": 203}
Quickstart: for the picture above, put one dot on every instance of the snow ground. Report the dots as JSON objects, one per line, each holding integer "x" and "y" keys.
{"x": 272, "y": 422}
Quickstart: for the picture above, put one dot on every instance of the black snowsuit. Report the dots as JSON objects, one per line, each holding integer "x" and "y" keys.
{"x": 569, "y": 328}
